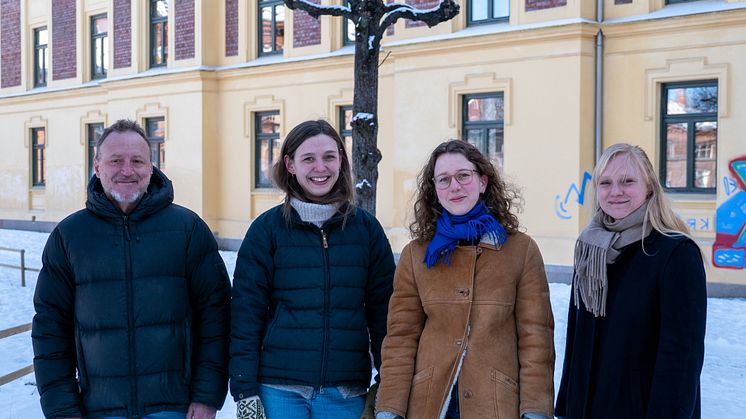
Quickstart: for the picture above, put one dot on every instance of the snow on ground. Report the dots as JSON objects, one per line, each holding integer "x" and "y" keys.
{"x": 723, "y": 377}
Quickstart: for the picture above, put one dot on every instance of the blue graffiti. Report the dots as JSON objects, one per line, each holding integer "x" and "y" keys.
{"x": 731, "y": 215}
{"x": 730, "y": 185}
{"x": 699, "y": 224}
{"x": 729, "y": 258}
{"x": 560, "y": 205}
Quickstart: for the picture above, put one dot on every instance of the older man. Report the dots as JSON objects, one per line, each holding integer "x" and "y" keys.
{"x": 132, "y": 302}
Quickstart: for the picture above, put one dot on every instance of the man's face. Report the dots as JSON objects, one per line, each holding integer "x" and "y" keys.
{"x": 124, "y": 168}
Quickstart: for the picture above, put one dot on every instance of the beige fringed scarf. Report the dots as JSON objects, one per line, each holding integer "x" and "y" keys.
{"x": 598, "y": 245}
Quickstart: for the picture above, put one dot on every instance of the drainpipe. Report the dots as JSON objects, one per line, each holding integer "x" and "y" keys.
{"x": 599, "y": 80}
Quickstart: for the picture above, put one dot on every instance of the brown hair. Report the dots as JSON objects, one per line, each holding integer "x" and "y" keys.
{"x": 500, "y": 198}
{"x": 122, "y": 125}
{"x": 342, "y": 191}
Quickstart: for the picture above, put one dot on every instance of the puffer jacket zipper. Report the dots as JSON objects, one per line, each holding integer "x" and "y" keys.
{"x": 130, "y": 318}
{"x": 327, "y": 290}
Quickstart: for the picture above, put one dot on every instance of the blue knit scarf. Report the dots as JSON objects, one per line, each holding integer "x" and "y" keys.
{"x": 470, "y": 227}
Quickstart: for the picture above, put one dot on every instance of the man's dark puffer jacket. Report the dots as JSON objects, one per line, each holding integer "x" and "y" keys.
{"x": 139, "y": 304}
{"x": 309, "y": 304}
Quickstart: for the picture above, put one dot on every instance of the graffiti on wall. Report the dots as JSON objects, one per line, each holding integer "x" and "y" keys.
{"x": 574, "y": 193}
{"x": 729, "y": 249}
{"x": 699, "y": 223}
{"x": 729, "y": 185}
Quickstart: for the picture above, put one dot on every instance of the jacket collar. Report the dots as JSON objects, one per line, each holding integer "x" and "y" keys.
{"x": 160, "y": 193}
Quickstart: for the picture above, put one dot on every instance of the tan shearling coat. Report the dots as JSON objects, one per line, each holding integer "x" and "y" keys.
{"x": 486, "y": 317}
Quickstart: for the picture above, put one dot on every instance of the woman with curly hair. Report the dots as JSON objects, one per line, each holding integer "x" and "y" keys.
{"x": 470, "y": 326}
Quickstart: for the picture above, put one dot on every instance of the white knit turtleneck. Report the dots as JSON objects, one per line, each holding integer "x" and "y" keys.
{"x": 313, "y": 213}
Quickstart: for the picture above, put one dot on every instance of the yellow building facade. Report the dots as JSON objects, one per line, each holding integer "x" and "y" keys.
{"x": 220, "y": 94}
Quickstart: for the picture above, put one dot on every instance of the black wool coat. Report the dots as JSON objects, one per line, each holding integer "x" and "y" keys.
{"x": 309, "y": 304}
{"x": 644, "y": 358}
{"x": 132, "y": 311}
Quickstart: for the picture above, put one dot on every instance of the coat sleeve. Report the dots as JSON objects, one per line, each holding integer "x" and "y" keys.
{"x": 674, "y": 391}
{"x": 210, "y": 297}
{"x": 406, "y": 320}
{"x": 535, "y": 328}
{"x": 560, "y": 409}
{"x": 252, "y": 286}
{"x": 53, "y": 333}
{"x": 378, "y": 289}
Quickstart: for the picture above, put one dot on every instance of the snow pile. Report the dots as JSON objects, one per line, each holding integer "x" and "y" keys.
{"x": 723, "y": 378}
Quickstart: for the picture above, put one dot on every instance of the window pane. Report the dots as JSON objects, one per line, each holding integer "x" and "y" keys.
{"x": 350, "y": 31}
{"x": 347, "y": 119}
{"x": 156, "y": 127}
{"x": 270, "y": 124}
{"x": 94, "y": 133}
{"x": 40, "y": 66}
{"x": 348, "y": 145}
{"x": 279, "y": 27}
{"x": 38, "y": 137}
{"x": 162, "y": 156}
{"x": 276, "y": 147}
{"x": 43, "y": 37}
{"x": 158, "y": 44}
{"x": 100, "y": 55}
{"x": 697, "y": 99}
{"x": 495, "y": 147}
{"x": 40, "y": 134}
{"x": 263, "y": 178}
{"x": 479, "y": 9}
{"x": 676, "y": 155}
{"x": 501, "y": 8}
{"x": 474, "y": 137}
{"x": 160, "y": 9}
{"x": 100, "y": 25}
{"x": 266, "y": 29}
{"x": 705, "y": 154}
{"x": 485, "y": 109}
{"x": 104, "y": 54}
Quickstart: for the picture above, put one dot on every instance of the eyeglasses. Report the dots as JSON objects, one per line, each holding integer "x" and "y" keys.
{"x": 463, "y": 177}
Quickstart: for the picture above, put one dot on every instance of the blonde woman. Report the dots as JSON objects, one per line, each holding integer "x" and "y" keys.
{"x": 636, "y": 327}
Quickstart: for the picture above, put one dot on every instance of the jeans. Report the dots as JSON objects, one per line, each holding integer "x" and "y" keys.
{"x": 156, "y": 415}
{"x": 326, "y": 403}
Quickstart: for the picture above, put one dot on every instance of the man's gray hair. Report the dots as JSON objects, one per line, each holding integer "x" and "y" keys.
{"x": 122, "y": 125}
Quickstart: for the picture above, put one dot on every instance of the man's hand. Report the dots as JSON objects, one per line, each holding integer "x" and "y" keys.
{"x": 201, "y": 411}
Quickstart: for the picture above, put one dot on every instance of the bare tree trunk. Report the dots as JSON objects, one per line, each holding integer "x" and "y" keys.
{"x": 365, "y": 152}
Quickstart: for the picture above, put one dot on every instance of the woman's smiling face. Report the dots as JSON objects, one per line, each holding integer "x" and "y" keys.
{"x": 315, "y": 165}
{"x": 621, "y": 188}
{"x": 456, "y": 198}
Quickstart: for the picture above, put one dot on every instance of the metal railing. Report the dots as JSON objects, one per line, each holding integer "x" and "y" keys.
{"x": 5, "y": 379}
{"x": 22, "y": 266}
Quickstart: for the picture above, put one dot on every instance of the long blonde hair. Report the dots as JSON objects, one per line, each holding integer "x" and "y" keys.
{"x": 659, "y": 214}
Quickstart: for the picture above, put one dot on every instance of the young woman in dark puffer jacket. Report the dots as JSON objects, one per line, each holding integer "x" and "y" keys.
{"x": 310, "y": 291}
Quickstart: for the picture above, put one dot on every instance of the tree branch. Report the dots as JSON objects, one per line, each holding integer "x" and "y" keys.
{"x": 316, "y": 10}
{"x": 446, "y": 10}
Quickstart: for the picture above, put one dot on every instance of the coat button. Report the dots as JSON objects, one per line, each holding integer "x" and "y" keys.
{"x": 479, "y": 250}
{"x": 468, "y": 394}
{"x": 459, "y": 342}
